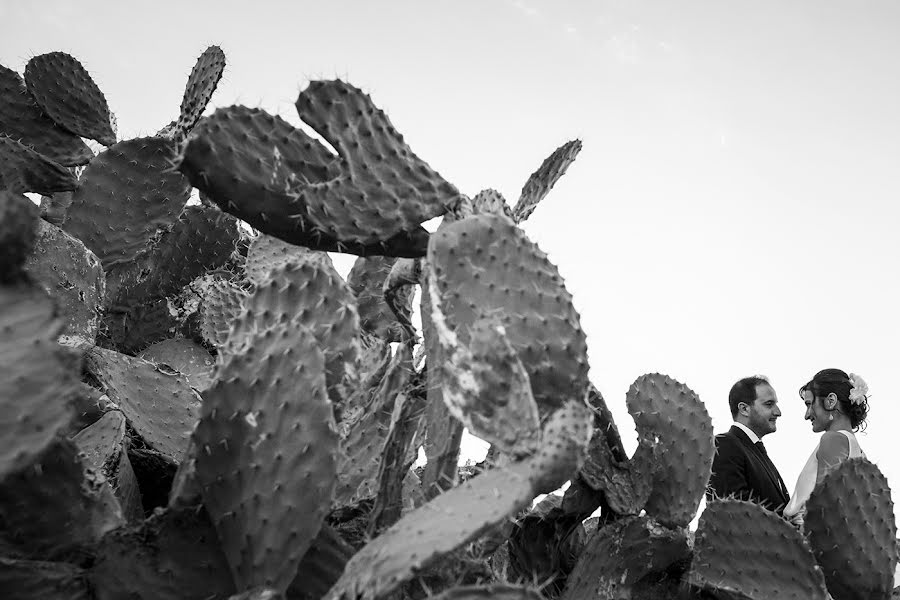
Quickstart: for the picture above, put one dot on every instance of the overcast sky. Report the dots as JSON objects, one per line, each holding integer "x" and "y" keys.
{"x": 734, "y": 209}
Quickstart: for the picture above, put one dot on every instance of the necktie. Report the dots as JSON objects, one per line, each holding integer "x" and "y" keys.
{"x": 759, "y": 445}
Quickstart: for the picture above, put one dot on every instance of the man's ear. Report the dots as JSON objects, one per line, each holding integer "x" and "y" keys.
{"x": 743, "y": 408}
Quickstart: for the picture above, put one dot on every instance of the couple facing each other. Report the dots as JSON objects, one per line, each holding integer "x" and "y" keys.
{"x": 836, "y": 404}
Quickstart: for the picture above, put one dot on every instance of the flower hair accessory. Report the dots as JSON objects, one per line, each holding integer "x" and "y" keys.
{"x": 859, "y": 389}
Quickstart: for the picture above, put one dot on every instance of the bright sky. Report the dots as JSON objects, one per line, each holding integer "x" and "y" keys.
{"x": 733, "y": 210}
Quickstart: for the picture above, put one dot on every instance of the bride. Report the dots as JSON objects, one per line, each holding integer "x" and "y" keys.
{"x": 836, "y": 404}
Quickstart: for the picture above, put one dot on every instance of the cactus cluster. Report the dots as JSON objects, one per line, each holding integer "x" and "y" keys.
{"x": 196, "y": 405}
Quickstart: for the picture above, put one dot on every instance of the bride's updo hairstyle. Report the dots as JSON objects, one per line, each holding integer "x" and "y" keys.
{"x": 837, "y": 382}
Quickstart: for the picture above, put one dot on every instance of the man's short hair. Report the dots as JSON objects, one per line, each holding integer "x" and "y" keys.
{"x": 744, "y": 391}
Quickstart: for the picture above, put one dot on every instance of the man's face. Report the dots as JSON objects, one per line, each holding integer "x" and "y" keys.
{"x": 764, "y": 411}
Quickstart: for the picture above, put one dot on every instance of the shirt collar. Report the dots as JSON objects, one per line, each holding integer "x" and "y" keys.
{"x": 753, "y": 437}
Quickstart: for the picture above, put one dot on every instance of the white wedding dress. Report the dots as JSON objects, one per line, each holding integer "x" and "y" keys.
{"x": 807, "y": 480}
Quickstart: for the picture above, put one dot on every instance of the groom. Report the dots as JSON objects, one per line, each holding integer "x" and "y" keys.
{"x": 741, "y": 467}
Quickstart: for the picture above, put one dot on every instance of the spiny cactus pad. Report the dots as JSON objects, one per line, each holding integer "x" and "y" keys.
{"x": 24, "y": 170}
{"x": 53, "y": 507}
{"x": 491, "y": 202}
{"x": 186, "y": 357}
{"x": 202, "y": 239}
{"x": 250, "y": 162}
{"x": 101, "y": 443}
{"x": 311, "y": 292}
{"x": 64, "y": 90}
{"x": 542, "y": 180}
{"x": 23, "y": 120}
{"x": 851, "y": 527}
{"x": 744, "y": 549}
{"x": 200, "y": 86}
{"x": 220, "y": 303}
{"x": 432, "y": 530}
{"x": 72, "y": 274}
{"x": 266, "y": 453}
{"x": 382, "y": 187}
{"x": 268, "y": 254}
{"x": 669, "y": 413}
{"x": 484, "y": 266}
{"x": 159, "y": 403}
{"x": 621, "y": 554}
{"x": 484, "y": 383}
{"x": 173, "y": 555}
{"x": 125, "y": 195}
{"x": 462, "y": 513}
{"x": 36, "y": 379}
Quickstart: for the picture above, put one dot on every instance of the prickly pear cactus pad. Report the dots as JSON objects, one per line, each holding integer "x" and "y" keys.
{"x": 186, "y": 357}
{"x": 618, "y": 556}
{"x": 220, "y": 302}
{"x": 36, "y": 379}
{"x": 23, "y": 120}
{"x": 266, "y": 454}
{"x": 771, "y": 561}
{"x": 669, "y": 413}
{"x": 18, "y": 230}
{"x": 27, "y": 579}
{"x": 484, "y": 265}
{"x": 200, "y": 86}
{"x": 850, "y": 525}
{"x": 72, "y": 275}
{"x": 53, "y": 506}
{"x": 101, "y": 443}
{"x": 125, "y": 195}
{"x": 311, "y": 292}
{"x": 491, "y": 202}
{"x": 246, "y": 161}
{"x": 64, "y": 90}
{"x": 485, "y": 385}
{"x": 159, "y": 403}
{"x": 382, "y": 188}
{"x": 202, "y": 239}
{"x": 173, "y": 555}
{"x": 267, "y": 254}
{"x": 464, "y": 512}
{"x": 432, "y": 530}
{"x": 542, "y": 180}
{"x": 24, "y": 170}
{"x": 563, "y": 448}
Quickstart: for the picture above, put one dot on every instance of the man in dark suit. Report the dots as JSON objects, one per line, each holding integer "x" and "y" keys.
{"x": 741, "y": 467}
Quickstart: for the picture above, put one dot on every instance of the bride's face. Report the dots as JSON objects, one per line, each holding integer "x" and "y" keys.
{"x": 815, "y": 412}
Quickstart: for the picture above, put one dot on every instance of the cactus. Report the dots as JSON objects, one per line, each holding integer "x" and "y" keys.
{"x": 23, "y": 120}
{"x": 22, "y": 169}
{"x": 856, "y": 546}
{"x": 126, "y": 194}
{"x": 199, "y": 89}
{"x": 65, "y": 91}
{"x": 245, "y": 421}
{"x": 72, "y": 274}
{"x": 777, "y": 561}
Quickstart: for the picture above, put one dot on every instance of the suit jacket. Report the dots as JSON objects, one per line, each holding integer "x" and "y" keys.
{"x": 741, "y": 469}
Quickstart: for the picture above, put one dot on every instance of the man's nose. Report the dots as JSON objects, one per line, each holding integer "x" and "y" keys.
{"x": 777, "y": 412}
